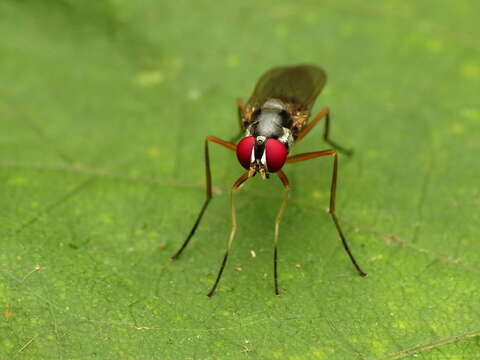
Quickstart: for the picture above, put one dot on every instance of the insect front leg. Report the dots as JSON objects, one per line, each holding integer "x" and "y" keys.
{"x": 233, "y": 230}
{"x": 286, "y": 185}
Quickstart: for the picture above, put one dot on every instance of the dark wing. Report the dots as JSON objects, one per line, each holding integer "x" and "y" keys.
{"x": 297, "y": 85}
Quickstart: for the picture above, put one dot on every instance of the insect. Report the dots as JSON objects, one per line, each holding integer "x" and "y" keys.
{"x": 273, "y": 120}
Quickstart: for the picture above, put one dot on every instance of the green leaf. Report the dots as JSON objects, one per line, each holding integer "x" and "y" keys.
{"x": 104, "y": 107}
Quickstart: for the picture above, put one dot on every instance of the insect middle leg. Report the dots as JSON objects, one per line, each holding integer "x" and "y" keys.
{"x": 324, "y": 113}
{"x": 333, "y": 194}
{"x": 208, "y": 177}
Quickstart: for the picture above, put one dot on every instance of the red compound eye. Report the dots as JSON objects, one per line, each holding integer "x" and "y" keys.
{"x": 244, "y": 151}
{"x": 276, "y": 154}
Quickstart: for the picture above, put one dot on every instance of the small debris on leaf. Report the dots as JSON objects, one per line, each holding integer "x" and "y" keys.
{"x": 238, "y": 267}
{"x": 245, "y": 349}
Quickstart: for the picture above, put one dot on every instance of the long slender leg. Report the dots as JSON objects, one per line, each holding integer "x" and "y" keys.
{"x": 233, "y": 230}
{"x": 324, "y": 113}
{"x": 241, "y": 112}
{"x": 281, "y": 211}
{"x": 333, "y": 192}
{"x": 208, "y": 177}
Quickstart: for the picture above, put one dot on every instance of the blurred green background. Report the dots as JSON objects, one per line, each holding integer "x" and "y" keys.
{"x": 104, "y": 106}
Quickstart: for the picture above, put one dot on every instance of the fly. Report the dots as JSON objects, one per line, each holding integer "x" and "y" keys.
{"x": 274, "y": 119}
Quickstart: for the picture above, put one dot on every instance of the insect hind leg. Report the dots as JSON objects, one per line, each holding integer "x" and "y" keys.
{"x": 326, "y": 133}
{"x": 324, "y": 113}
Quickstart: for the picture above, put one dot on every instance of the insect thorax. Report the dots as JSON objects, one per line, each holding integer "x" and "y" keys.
{"x": 271, "y": 120}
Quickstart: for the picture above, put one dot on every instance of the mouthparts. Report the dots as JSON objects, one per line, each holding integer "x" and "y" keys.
{"x": 257, "y": 166}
